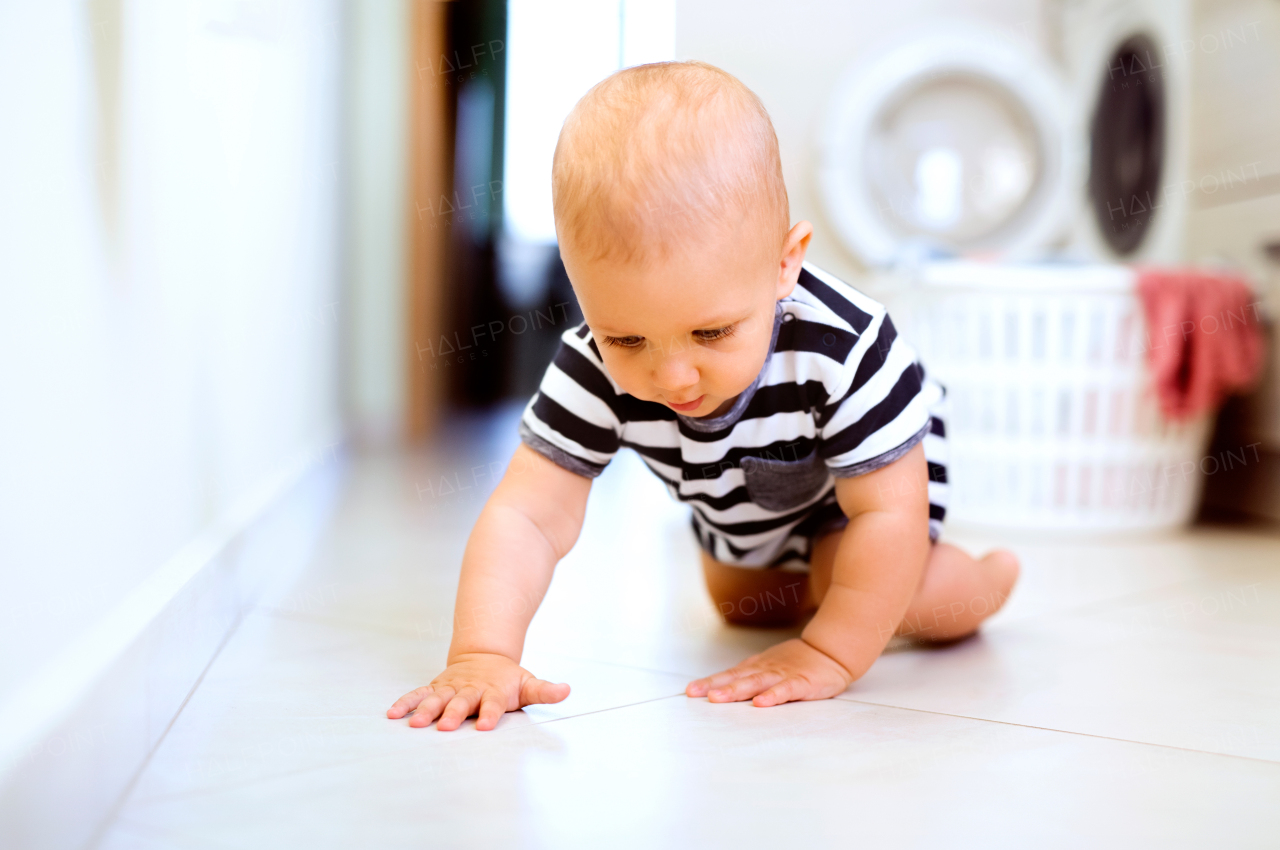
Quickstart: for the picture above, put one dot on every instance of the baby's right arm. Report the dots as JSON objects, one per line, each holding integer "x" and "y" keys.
{"x": 530, "y": 522}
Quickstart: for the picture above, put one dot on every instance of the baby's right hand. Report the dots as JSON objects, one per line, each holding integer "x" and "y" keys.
{"x": 491, "y": 684}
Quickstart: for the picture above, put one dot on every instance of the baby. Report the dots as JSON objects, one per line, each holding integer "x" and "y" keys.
{"x": 779, "y": 402}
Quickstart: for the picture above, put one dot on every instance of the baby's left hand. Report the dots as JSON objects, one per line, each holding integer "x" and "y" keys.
{"x": 792, "y": 670}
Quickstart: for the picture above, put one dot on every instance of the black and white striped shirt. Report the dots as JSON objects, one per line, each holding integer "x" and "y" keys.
{"x": 840, "y": 394}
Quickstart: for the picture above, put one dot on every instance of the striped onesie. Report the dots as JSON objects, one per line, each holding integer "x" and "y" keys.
{"x": 840, "y": 394}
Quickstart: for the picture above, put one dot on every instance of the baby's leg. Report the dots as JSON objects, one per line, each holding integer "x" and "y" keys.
{"x": 956, "y": 591}
{"x": 756, "y": 597}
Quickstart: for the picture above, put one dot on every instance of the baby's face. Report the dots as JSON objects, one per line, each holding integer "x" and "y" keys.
{"x": 691, "y": 331}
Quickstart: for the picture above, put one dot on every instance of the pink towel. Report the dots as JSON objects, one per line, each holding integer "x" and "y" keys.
{"x": 1205, "y": 337}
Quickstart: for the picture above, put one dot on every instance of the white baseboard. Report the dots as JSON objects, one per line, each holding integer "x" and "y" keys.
{"x": 74, "y": 737}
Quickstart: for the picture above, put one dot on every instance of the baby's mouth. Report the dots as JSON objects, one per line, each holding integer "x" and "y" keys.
{"x": 686, "y": 406}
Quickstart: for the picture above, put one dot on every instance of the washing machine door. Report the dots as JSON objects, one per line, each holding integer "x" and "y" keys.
{"x": 958, "y": 139}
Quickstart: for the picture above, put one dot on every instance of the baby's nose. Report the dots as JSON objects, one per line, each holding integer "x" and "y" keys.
{"x": 673, "y": 374}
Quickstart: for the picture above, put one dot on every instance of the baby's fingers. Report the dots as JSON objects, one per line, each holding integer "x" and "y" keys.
{"x": 537, "y": 691}
{"x": 491, "y": 710}
{"x": 431, "y": 706}
{"x": 462, "y": 706}
{"x": 788, "y": 690}
{"x": 700, "y": 687}
{"x": 408, "y": 702}
{"x": 745, "y": 687}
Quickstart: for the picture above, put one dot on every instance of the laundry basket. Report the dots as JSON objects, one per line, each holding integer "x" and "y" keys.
{"x": 1054, "y": 424}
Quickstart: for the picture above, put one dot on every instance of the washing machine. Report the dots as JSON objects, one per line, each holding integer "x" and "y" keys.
{"x": 1128, "y": 69}
{"x": 959, "y": 138}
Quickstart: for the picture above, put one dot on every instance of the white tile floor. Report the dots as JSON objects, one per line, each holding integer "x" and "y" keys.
{"x": 1127, "y": 696}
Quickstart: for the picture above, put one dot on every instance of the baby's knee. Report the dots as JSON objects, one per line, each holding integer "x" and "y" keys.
{"x": 767, "y": 608}
{"x": 755, "y": 597}
{"x": 759, "y": 611}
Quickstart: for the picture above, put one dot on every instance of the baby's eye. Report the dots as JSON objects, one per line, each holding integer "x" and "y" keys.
{"x": 717, "y": 333}
{"x": 624, "y": 341}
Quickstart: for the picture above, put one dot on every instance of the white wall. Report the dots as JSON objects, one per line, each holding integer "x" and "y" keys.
{"x": 1236, "y": 65}
{"x": 377, "y": 101}
{"x": 1236, "y": 162}
{"x": 168, "y": 297}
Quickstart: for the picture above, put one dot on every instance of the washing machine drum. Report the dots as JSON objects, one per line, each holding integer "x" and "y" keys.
{"x": 955, "y": 140}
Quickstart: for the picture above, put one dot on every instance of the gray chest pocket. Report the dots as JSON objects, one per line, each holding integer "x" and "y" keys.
{"x": 780, "y": 485}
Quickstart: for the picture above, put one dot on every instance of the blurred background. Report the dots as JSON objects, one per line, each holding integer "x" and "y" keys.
{"x": 245, "y": 240}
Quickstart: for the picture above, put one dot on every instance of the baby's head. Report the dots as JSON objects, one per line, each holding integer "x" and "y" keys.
{"x": 673, "y": 224}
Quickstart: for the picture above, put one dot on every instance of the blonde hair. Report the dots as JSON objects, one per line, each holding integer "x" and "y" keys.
{"x": 654, "y": 152}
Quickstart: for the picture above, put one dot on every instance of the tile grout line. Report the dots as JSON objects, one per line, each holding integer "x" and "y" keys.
{"x": 1062, "y": 731}
{"x": 960, "y": 717}
{"x": 469, "y": 738}
{"x": 618, "y": 664}
{"x": 1068, "y": 612}
{"x": 610, "y": 708}
{"x": 118, "y": 806}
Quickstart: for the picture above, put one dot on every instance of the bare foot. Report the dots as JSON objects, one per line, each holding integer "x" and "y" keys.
{"x": 957, "y": 593}
{"x": 1004, "y": 567}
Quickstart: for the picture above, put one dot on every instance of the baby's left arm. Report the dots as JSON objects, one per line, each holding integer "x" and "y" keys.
{"x": 878, "y": 566}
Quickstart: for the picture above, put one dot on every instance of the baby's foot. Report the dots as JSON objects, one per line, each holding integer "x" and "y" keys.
{"x": 1004, "y": 568}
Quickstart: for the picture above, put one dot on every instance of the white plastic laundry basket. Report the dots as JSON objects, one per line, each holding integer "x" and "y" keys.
{"x": 1053, "y": 420}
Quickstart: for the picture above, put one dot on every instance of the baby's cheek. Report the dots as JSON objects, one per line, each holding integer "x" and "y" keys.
{"x": 735, "y": 374}
{"x": 627, "y": 376}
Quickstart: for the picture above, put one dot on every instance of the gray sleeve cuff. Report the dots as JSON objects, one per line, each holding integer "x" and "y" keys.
{"x": 558, "y": 456}
{"x": 881, "y": 460}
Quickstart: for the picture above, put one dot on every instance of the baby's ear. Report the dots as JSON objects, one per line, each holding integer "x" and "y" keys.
{"x": 793, "y": 250}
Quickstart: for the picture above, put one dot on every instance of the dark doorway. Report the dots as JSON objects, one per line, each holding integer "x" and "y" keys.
{"x": 491, "y": 348}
